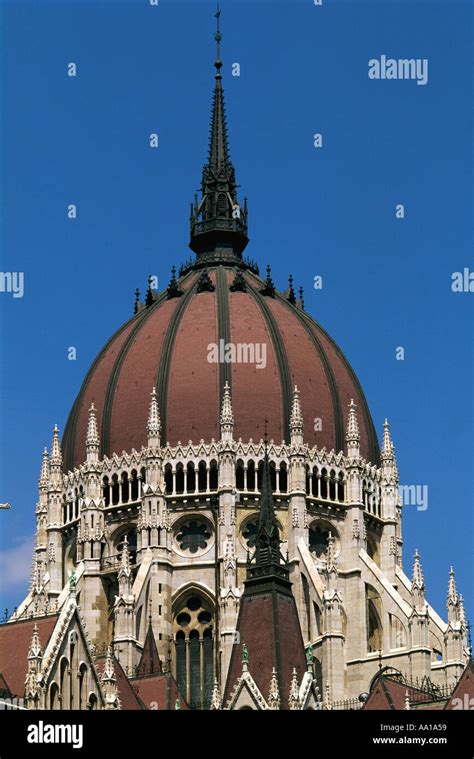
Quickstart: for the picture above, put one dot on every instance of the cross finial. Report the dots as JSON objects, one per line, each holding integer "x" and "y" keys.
{"x": 218, "y": 37}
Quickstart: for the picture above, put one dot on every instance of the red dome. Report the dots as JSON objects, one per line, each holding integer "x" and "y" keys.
{"x": 167, "y": 346}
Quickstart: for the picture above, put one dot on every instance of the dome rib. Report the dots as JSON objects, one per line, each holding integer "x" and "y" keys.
{"x": 281, "y": 358}
{"x": 332, "y": 384}
{"x": 373, "y": 445}
{"x": 114, "y": 376}
{"x": 163, "y": 372}
{"x": 223, "y": 327}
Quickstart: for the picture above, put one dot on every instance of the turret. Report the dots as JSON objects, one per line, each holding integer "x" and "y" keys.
{"x": 32, "y": 681}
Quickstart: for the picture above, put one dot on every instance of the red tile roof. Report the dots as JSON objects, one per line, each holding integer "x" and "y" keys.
{"x": 159, "y": 692}
{"x": 15, "y": 639}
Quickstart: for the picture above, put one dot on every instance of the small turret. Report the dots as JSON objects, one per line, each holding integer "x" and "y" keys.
{"x": 353, "y": 434}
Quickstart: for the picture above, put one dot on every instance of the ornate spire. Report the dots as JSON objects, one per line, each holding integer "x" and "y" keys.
{"x": 267, "y": 539}
{"x": 109, "y": 682}
{"x": 268, "y": 286}
{"x": 290, "y": 295}
{"x": 296, "y": 418}
{"x": 274, "y": 693}
{"x": 417, "y": 580}
{"x": 150, "y": 298}
{"x": 216, "y": 701}
{"x": 56, "y": 456}
{"x": 35, "y": 651}
{"x": 294, "y": 697}
{"x": 462, "y": 611}
{"x": 154, "y": 422}
{"x": 125, "y": 560}
{"x": 92, "y": 437}
{"x": 452, "y": 601}
{"x": 227, "y": 414}
{"x": 44, "y": 473}
{"x": 218, "y": 223}
{"x": 353, "y": 434}
{"x": 136, "y": 306}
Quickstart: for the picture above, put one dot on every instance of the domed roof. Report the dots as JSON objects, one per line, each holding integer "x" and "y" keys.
{"x": 218, "y": 300}
{"x": 169, "y": 346}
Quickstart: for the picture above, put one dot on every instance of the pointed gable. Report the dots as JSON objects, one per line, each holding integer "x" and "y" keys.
{"x": 150, "y": 663}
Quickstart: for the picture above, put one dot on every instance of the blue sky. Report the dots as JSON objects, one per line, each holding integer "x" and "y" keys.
{"x": 329, "y": 211}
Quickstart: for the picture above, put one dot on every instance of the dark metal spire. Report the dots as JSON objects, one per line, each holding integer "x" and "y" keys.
{"x": 218, "y": 223}
{"x": 267, "y": 539}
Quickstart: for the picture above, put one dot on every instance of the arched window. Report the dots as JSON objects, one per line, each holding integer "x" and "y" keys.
{"x": 324, "y": 483}
{"x": 332, "y": 485}
{"x": 191, "y": 477}
{"x": 106, "y": 491}
{"x": 251, "y": 475}
{"x": 168, "y": 478}
{"x": 82, "y": 685}
{"x": 64, "y": 680}
{"x": 240, "y": 475}
{"x": 221, "y": 204}
{"x": 115, "y": 490}
{"x": 340, "y": 488}
{"x": 92, "y": 704}
{"x": 260, "y": 475}
{"x": 194, "y": 650}
{"x": 54, "y": 700}
{"x": 374, "y": 624}
{"x": 283, "y": 478}
{"x": 202, "y": 477}
{"x": 179, "y": 478}
{"x": 134, "y": 486}
{"x": 213, "y": 476}
{"x": 125, "y": 487}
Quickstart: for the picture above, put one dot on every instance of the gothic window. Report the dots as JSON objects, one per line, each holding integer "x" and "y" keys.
{"x": 374, "y": 625}
{"x": 106, "y": 491}
{"x": 168, "y": 479}
{"x": 213, "y": 476}
{"x": 194, "y": 651}
{"x": 115, "y": 490}
{"x": 191, "y": 478}
{"x": 202, "y": 477}
{"x": 132, "y": 545}
{"x": 324, "y": 483}
{"x": 251, "y": 475}
{"x": 332, "y": 485}
{"x": 179, "y": 478}
{"x": 340, "y": 488}
{"x": 283, "y": 478}
{"x": 125, "y": 487}
{"x": 54, "y": 700}
{"x": 240, "y": 475}
{"x": 134, "y": 485}
{"x": 193, "y": 535}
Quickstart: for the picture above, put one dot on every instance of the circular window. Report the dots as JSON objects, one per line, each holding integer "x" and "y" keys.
{"x": 193, "y": 536}
{"x": 194, "y": 603}
{"x": 183, "y": 619}
{"x": 204, "y": 618}
{"x": 319, "y": 539}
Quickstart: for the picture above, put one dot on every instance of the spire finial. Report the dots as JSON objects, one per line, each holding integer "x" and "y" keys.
{"x": 452, "y": 592}
{"x": 227, "y": 414}
{"x": 296, "y": 417}
{"x": 56, "y": 458}
{"x": 92, "y": 436}
{"x": 218, "y": 223}
{"x": 218, "y": 38}
{"x": 154, "y": 422}
{"x": 44, "y": 474}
